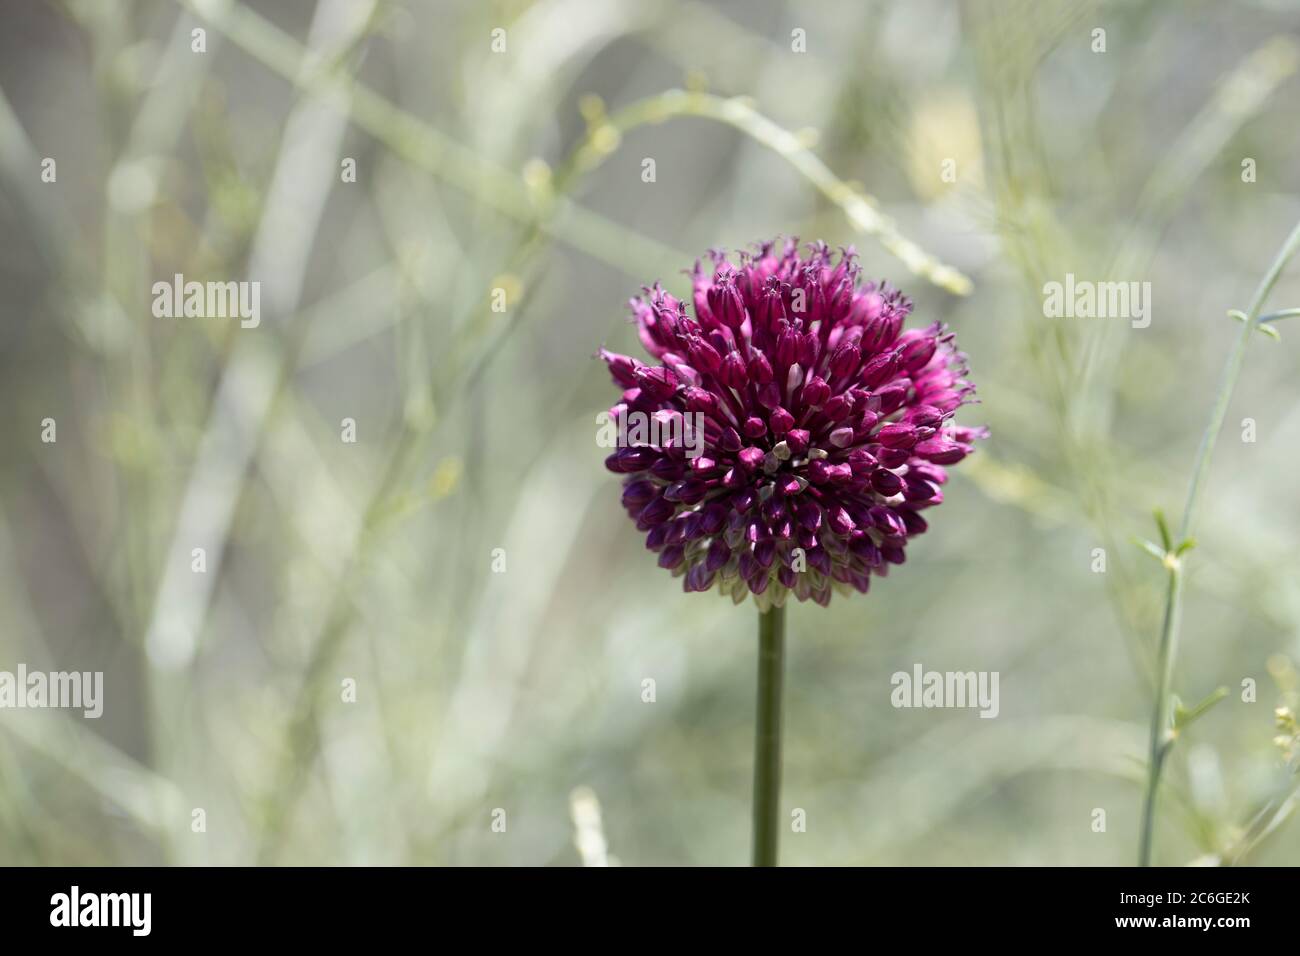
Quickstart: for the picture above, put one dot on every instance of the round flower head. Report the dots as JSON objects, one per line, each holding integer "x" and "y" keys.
{"x": 788, "y": 437}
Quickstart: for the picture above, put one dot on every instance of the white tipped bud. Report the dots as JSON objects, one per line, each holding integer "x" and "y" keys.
{"x": 795, "y": 378}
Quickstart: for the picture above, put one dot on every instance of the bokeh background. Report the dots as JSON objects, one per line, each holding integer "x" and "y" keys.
{"x": 521, "y": 171}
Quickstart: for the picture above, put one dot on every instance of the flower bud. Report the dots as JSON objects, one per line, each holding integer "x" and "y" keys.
{"x": 750, "y": 458}
{"x": 781, "y": 421}
{"x": 842, "y": 437}
{"x": 815, "y": 392}
{"x": 879, "y": 369}
{"x": 656, "y": 381}
{"x": 941, "y": 451}
{"x": 898, "y": 435}
{"x": 732, "y": 373}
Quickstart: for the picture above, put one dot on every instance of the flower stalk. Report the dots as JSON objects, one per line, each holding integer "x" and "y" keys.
{"x": 767, "y": 735}
{"x": 1163, "y": 719}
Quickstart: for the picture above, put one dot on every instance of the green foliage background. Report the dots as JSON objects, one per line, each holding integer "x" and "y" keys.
{"x": 522, "y": 171}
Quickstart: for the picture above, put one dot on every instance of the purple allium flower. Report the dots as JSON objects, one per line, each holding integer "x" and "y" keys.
{"x": 826, "y": 426}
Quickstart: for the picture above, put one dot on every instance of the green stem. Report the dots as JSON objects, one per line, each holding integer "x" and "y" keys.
{"x": 1162, "y": 729}
{"x": 767, "y": 735}
{"x": 1231, "y": 372}
{"x": 1279, "y": 314}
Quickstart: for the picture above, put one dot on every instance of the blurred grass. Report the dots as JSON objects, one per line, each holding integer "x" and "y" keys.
{"x": 372, "y": 561}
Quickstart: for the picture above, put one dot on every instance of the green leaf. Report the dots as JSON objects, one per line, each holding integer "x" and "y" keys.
{"x": 1260, "y": 325}
{"x": 1183, "y": 717}
{"x": 1165, "y": 537}
{"x": 1150, "y": 547}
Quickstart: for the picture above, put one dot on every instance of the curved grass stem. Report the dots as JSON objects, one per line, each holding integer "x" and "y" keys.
{"x": 606, "y": 132}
